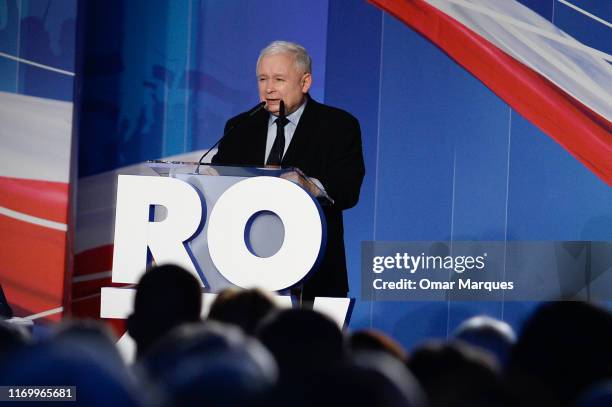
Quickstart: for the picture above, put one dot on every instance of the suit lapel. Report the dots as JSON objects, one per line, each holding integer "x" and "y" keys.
{"x": 303, "y": 130}
{"x": 257, "y": 151}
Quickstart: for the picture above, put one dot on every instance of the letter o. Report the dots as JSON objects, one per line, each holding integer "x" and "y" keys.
{"x": 301, "y": 247}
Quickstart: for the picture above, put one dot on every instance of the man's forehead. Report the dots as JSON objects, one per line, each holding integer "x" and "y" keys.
{"x": 282, "y": 62}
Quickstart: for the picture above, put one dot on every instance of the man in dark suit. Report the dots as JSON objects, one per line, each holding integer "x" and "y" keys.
{"x": 322, "y": 141}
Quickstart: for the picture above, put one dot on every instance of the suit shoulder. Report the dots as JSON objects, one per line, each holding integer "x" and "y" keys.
{"x": 338, "y": 113}
{"x": 246, "y": 119}
{"x": 323, "y": 108}
{"x": 237, "y": 118}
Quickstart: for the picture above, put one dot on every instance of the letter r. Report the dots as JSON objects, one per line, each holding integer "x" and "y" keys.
{"x": 134, "y": 233}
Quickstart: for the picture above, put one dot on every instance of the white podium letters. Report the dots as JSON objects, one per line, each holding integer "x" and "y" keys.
{"x": 134, "y": 231}
{"x": 229, "y": 220}
{"x": 167, "y": 238}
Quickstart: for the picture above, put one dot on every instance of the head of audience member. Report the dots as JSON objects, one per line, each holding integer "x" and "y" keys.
{"x": 12, "y": 337}
{"x": 243, "y": 308}
{"x": 563, "y": 349}
{"x": 456, "y": 374}
{"x": 91, "y": 336}
{"x": 598, "y": 395}
{"x": 6, "y": 311}
{"x": 365, "y": 379}
{"x": 283, "y": 73}
{"x": 166, "y": 297}
{"x": 370, "y": 340}
{"x": 54, "y": 363}
{"x": 302, "y": 341}
{"x": 209, "y": 364}
{"x": 488, "y": 333}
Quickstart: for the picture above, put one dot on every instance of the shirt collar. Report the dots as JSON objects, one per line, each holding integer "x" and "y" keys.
{"x": 293, "y": 118}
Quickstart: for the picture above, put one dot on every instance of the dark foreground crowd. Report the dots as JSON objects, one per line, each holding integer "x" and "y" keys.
{"x": 250, "y": 352}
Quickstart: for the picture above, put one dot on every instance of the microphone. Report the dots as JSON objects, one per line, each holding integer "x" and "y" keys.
{"x": 248, "y": 114}
{"x": 281, "y": 109}
{"x": 256, "y": 108}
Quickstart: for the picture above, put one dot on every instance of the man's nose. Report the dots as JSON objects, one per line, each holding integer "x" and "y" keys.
{"x": 269, "y": 86}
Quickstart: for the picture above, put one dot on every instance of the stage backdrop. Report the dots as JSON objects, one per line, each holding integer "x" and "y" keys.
{"x": 446, "y": 157}
{"x": 37, "y": 42}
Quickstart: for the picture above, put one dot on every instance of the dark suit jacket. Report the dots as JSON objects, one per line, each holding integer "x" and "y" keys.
{"x": 326, "y": 145}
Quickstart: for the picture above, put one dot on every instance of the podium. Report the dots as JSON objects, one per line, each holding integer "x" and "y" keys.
{"x": 265, "y": 232}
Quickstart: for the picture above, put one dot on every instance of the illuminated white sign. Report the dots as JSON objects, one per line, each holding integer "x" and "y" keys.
{"x": 136, "y": 232}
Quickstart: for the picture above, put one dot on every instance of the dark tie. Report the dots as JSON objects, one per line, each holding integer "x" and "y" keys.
{"x": 278, "y": 148}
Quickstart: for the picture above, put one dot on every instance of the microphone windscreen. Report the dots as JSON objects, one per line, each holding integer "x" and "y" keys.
{"x": 281, "y": 109}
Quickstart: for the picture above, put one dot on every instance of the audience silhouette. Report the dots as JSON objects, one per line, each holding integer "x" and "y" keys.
{"x": 209, "y": 364}
{"x": 489, "y": 334}
{"x": 248, "y": 352}
{"x": 455, "y": 374}
{"x": 563, "y": 349}
{"x": 243, "y": 308}
{"x": 302, "y": 342}
{"x": 372, "y": 340}
{"x": 166, "y": 297}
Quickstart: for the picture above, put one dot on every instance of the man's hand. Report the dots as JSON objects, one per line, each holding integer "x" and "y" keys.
{"x": 304, "y": 182}
{"x": 208, "y": 170}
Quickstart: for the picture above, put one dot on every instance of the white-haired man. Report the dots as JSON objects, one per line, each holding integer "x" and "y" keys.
{"x": 323, "y": 141}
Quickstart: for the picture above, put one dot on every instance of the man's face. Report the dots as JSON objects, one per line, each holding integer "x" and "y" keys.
{"x": 278, "y": 78}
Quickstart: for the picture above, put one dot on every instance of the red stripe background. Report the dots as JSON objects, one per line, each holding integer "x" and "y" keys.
{"x": 582, "y": 132}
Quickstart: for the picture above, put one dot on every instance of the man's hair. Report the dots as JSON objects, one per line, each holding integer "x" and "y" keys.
{"x": 166, "y": 297}
{"x": 303, "y": 62}
{"x": 243, "y": 308}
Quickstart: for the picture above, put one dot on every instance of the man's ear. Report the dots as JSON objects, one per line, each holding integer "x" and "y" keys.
{"x": 306, "y": 82}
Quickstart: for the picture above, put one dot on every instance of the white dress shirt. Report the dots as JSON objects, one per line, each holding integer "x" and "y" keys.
{"x": 294, "y": 119}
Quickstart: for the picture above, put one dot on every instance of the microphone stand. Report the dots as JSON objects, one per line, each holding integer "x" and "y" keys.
{"x": 250, "y": 113}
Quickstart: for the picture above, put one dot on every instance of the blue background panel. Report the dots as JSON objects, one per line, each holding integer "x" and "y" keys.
{"x": 229, "y": 38}
{"x": 38, "y": 38}
{"x": 9, "y": 26}
{"x": 46, "y": 36}
{"x": 445, "y": 157}
{"x": 352, "y": 82}
{"x": 8, "y": 75}
{"x": 552, "y": 196}
{"x": 583, "y": 28}
{"x": 167, "y": 75}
